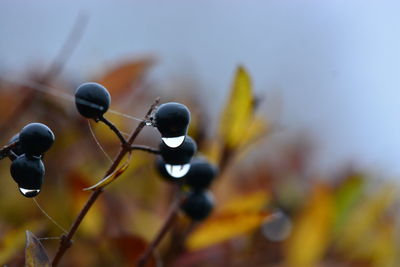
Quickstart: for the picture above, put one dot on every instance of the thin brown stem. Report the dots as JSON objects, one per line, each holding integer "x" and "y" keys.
{"x": 55, "y": 68}
{"x": 114, "y": 129}
{"x": 5, "y": 150}
{"x": 71, "y": 42}
{"x": 145, "y": 148}
{"x": 66, "y": 239}
{"x": 162, "y": 232}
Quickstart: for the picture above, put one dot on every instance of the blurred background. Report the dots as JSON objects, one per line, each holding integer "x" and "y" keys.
{"x": 322, "y": 157}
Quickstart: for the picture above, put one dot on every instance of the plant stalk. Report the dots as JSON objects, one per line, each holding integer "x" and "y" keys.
{"x": 66, "y": 239}
{"x": 162, "y": 232}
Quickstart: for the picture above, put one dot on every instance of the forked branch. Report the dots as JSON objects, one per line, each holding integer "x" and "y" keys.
{"x": 66, "y": 239}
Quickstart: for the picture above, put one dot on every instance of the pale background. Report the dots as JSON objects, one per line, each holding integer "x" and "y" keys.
{"x": 334, "y": 64}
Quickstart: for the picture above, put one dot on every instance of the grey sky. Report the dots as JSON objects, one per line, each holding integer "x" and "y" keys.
{"x": 335, "y": 63}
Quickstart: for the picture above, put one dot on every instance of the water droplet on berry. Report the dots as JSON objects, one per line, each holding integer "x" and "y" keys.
{"x": 177, "y": 171}
{"x": 173, "y": 141}
{"x": 29, "y": 192}
{"x": 149, "y": 123}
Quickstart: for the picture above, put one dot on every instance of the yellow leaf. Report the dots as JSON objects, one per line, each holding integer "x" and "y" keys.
{"x": 365, "y": 221}
{"x": 346, "y": 198}
{"x": 238, "y": 111}
{"x": 253, "y": 202}
{"x": 311, "y": 232}
{"x": 257, "y": 128}
{"x": 233, "y": 219}
{"x": 35, "y": 254}
{"x": 212, "y": 151}
{"x": 386, "y": 246}
{"x": 119, "y": 80}
{"x": 224, "y": 227}
{"x": 110, "y": 178}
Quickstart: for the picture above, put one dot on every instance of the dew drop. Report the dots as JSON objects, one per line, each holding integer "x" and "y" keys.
{"x": 29, "y": 192}
{"x": 278, "y": 228}
{"x": 177, "y": 171}
{"x": 173, "y": 141}
{"x": 149, "y": 123}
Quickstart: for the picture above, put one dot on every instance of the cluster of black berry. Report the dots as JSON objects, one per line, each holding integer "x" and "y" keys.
{"x": 176, "y": 162}
{"x": 27, "y": 168}
{"x": 176, "y": 149}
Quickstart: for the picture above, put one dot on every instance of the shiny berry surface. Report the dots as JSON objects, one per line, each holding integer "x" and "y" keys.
{"x": 92, "y": 100}
{"x": 28, "y": 172}
{"x": 198, "y": 205}
{"x": 36, "y": 138}
{"x": 179, "y": 155}
{"x": 201, "y": 174}
{"x": 172, "y": 119}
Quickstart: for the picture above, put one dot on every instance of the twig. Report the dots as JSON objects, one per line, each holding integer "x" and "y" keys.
{"x": 69, "y": 45}
{"x": 55, "y": 68}
{"x": 145, "y": 148}
{"x": 66, "y": 239}
{"x": 5, "y": 150}
{"x": 114, "y": 129}
{"x": 160, "y": 235}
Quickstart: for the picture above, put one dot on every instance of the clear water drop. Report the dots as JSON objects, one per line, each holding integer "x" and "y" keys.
{"x": 177, "y": 171}
{"x": 173, "y": 141}
{"x": 29, "y": 192}
{"x": 149, "y": 123}
{"x": 278, "y": 228}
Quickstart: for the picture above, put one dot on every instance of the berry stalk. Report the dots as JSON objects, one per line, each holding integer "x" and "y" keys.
{"x": 114, "y": 129}
{"x": 162, "y": 232}
{"x": 66, "y": 239}
{"x": 5, "y": 150}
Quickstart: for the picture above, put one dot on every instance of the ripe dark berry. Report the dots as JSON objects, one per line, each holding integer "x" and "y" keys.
{"x": 92, "y": 100}
{"x": 36, "y": 138}
{"x": 201, "y": 174}
{"x": 160, "y": 165}
{"x": 172, "y": 119}
{"x": 17, "y": 149}
{"x": 179, "y": 155}
{"x": 28, "y": 172}
{"x": 198, "y": 205}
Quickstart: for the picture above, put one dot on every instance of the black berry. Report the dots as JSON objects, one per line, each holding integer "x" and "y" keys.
{"x": 198, "y": 205}
{"x": 92, "y": 100}
{"x": 201, "y": 174}
{"x": 179, "y": 155}
{"x": 28, "y": 172}
{"x": 17, "y": 150}
{"x": 172, "y": 119}
{"x": 36, "y": 138}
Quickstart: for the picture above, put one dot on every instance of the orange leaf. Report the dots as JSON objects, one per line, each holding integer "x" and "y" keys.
{"x": 129, "y": 246}
{"x": 235, "y": 218}
{"x": 223, "y": 227}
{"x": 120, "y": 79}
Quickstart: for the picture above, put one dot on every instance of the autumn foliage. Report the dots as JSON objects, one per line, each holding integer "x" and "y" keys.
{"x": 271, "y": 209}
